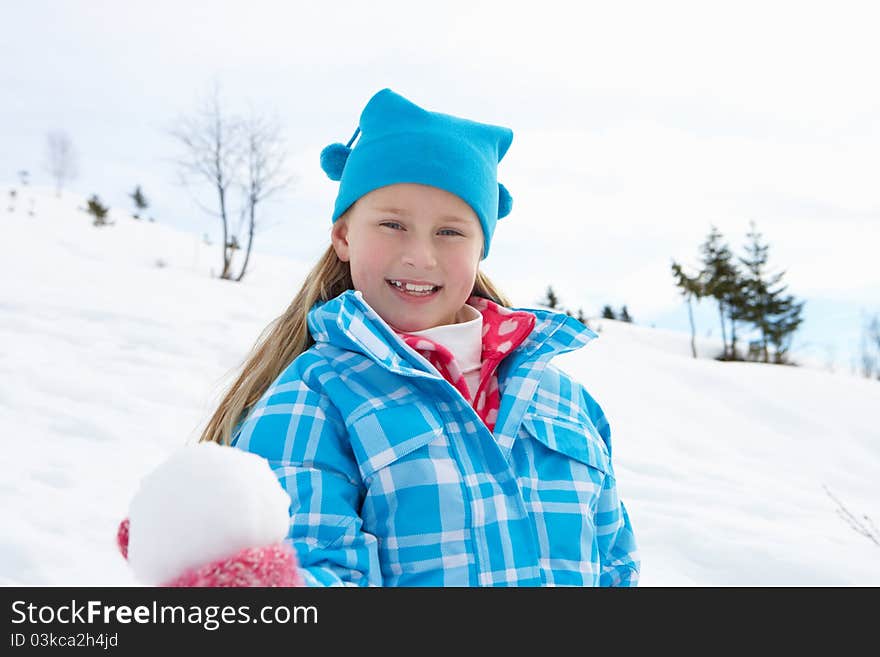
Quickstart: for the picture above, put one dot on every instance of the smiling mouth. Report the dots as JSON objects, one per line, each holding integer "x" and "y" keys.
{"x": 412, "y": 289}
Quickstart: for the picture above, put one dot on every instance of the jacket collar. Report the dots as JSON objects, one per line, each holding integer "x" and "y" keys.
{"x": 348, "y": 322}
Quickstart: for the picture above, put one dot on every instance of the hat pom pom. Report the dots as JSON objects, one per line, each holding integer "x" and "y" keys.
{"x": 505, "y": 202}
{"x": 333, "y": 159}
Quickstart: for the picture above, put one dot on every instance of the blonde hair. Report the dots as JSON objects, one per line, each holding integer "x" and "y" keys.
{"x": 287, "y": 336}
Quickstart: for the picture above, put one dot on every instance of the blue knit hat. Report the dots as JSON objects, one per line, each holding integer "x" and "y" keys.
{"x": 402, "y": 143}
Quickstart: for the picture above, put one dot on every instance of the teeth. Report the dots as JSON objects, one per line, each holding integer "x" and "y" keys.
{"x": 414, "y": 288}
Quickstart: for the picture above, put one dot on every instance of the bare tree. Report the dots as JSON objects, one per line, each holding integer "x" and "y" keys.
{"x": 870, "y": 348}
{"x": 232, "y": 154}
{"x": 60, "y": 159}
{"x": 692, "y": 287}
{"x": 864, "y": 526}
{"x": 874, "y": 337}
{"x": 264, "y": 157}
{"x": 212, "y": 154}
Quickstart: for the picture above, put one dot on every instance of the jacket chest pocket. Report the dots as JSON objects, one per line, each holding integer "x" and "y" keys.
{"x": 562, "y": 467}
{"x": 415, "y": 500}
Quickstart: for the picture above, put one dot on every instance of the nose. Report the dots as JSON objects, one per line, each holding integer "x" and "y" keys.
{"x": 419, "y": 254}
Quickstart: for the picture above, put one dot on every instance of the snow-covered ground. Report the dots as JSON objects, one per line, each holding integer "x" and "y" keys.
{"x": 111, "y": 361}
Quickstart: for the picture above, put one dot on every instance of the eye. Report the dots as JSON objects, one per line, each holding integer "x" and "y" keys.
{"x": 391, "y": 224}
{"x": 450, "y": 230}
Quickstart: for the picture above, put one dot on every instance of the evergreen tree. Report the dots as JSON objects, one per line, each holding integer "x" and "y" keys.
{"x": 140, "y": 201}
{"x": 550, "y": 300}
{"x": 777, "y": 317}
{"x": 624, "y": 315}
{"x": 581, "y": 318}
{"x": 782, "y": 326}
{"x": 761, "y": 300}
{"x": 735, "y": 302}
{"x": 608, "y": 313}
{"x": 99, "y": 211}
{"x": 721, "y": 278}
{"x": 691, "y": 288}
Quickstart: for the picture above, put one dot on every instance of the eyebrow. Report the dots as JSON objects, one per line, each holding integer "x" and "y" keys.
{"x": 400, "y": 211}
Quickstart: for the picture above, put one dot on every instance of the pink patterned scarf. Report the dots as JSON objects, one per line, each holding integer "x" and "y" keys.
{"x": 503, "y": 331}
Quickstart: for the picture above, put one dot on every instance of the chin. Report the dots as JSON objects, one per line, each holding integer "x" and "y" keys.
{"x": 411, "y": 323}
{"x": 410, "y": 326}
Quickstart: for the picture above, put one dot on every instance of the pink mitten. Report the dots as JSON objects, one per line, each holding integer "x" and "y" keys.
{"x": 210, "y": 516}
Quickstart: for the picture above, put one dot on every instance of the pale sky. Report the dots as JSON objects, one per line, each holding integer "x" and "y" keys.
{"x": 636, "y": 126}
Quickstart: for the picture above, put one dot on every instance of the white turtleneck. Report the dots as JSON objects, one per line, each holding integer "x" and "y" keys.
{"x": 465, "y": 341}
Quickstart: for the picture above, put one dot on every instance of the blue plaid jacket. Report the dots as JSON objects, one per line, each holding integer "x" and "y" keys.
{"x": 395, "y": 481}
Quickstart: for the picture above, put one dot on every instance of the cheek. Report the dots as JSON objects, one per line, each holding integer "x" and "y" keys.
{"x": 464, "y": 268}
{"x": 367, "y": 263}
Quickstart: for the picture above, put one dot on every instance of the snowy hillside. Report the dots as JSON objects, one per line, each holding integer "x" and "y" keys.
{"x": 117, "y": 341}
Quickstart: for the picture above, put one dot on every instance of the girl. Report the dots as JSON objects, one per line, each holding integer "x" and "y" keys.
{"x": 412, "y": 416}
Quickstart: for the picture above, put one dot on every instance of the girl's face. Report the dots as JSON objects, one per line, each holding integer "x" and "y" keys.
{"x": 411, "y": 234}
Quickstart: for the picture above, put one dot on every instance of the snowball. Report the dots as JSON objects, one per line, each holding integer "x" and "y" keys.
{"x": 206, "y": 502}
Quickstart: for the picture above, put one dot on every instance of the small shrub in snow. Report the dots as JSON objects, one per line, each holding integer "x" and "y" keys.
{"x": 98, "y": 211}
